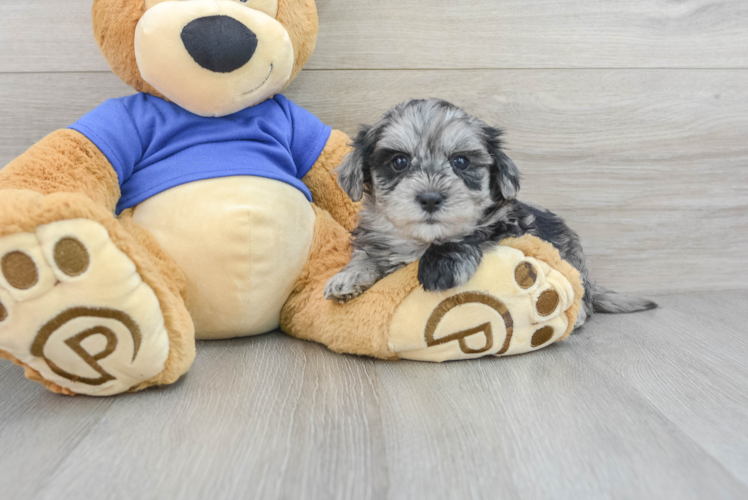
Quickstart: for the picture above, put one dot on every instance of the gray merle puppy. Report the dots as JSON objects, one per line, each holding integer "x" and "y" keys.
{"x": 438, "y": 187}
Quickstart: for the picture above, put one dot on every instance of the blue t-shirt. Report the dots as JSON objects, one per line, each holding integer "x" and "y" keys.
{"x": 155, "y": 145}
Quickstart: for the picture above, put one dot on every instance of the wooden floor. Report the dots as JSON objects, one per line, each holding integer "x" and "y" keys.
{"x": 653, "y": 405}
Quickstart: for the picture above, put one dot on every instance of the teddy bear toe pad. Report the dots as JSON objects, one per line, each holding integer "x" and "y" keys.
{"x": 74, "y": 308}
{"x": 513, "y": 305}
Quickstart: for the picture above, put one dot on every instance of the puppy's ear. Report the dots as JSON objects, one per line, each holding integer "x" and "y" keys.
{"x": 505, "y": 175}
{"x": 353, "y": 172}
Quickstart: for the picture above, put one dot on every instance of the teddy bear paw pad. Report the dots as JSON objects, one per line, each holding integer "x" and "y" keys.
{"x": 74, "y": 308}
{"x": 514, "y": 304}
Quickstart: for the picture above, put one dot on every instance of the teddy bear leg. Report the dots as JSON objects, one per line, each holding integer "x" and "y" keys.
{"x": 89, "y": 304}
{"x": 523, "y": 298}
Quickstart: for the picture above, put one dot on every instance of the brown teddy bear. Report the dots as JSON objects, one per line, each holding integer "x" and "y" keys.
{"x": 187, "y": 207}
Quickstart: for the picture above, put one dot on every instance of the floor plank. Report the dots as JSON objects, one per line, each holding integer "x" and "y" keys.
{"x": 38, "y": 430}
{"x": 641, "y": 406}
{"x": 701, "y": 384}
{"x": 557, "y": 425}
{"x": 48, "y": 35}
{"x": 643, "y": 164}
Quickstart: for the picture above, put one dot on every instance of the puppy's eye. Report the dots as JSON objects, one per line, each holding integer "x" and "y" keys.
{"x": 460, "y": 162}
{"x": 400, "y": 163}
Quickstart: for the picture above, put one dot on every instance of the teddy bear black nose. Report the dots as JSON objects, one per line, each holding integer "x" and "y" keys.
{"x": 219, "y": 43}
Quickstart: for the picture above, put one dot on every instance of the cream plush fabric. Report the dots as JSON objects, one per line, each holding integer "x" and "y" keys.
{"x": 166, "y": 65}
{"x": 498, "y": 312}
{"x": 242, "y": 243}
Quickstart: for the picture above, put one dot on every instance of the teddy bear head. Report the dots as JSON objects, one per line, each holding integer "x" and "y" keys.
{"x": 211, "y": 57}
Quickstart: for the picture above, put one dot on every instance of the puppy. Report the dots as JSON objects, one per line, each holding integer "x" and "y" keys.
{"x": 438, "y": 187}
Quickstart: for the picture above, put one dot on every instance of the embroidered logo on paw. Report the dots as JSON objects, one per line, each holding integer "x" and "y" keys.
{"x": 514, "y": 304}
{"x": 87, "y": 316}
{"x": 486, "y": 329}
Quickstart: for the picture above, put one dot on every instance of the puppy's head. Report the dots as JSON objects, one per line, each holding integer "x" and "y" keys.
{"x": 429, "y": 168}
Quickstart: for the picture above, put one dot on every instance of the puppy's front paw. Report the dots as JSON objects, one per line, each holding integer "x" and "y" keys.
{"x": 448, "y": 266}
{"x": 347, "y": 285}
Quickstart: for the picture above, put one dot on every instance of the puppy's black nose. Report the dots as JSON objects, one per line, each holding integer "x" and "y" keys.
{"x": 220, "y": 44}
{"x": 430, "y": 202}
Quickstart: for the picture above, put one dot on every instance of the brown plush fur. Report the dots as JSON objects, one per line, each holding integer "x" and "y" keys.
{"x": 24, "y": 211}
{"x": 323, "y": 182}
{"x": 115, "y": 21}
{"x": 358, "y": 327}
{"x": 299, "y": 17}
{"x": 64, "y": 162}
{"x": 534, "y": 247}
{"x": 170, "y": 292}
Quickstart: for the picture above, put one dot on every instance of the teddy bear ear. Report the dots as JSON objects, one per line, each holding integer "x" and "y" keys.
{"x": 114, "y": 25}
{"x": 300, "y": 19}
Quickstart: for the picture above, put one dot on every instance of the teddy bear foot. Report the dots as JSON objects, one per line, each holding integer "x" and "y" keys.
{"x": 75, "y": 311}
{"x": 514, "y": 304}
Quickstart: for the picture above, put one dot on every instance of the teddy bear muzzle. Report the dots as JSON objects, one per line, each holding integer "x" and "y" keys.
{"x": 213, "y": 57}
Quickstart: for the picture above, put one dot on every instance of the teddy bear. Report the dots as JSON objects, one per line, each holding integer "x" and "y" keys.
{"x": 206, "y": 206}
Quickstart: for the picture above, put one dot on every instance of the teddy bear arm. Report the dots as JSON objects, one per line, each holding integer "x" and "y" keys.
{"x": 323, "y": 182}
{"x": 64, "y": 162}
{"x": 359, "y": 327}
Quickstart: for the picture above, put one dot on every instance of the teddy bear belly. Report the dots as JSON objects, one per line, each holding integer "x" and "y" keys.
{"x": 241, "y": 241}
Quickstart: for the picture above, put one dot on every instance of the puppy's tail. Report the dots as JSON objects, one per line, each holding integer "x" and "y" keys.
{"x": 608, "y": 301}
